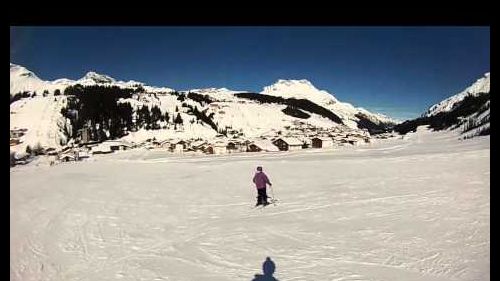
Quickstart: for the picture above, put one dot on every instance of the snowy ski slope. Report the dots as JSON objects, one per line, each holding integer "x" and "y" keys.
{"x": 416, "y": 208}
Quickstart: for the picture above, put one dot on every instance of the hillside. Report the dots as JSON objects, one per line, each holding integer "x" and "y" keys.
{"x": 136, "y": 112}
{"x": 467, "y": 111}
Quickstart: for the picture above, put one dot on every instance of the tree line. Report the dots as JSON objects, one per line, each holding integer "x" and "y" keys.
{"x": 99, "y": 109}
{"x": 299, "y": 104}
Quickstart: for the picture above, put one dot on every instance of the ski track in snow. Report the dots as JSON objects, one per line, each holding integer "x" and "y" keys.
{"x": 402, "y": 209}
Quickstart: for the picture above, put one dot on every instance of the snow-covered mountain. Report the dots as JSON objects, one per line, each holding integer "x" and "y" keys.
{"x": 95, "y": 78}
{"x": 229, "y": 112}
{"x": 22, "y": 79}
{"x": 481, "y": 86}
{"x": 299, "y": 89}
{"x": 303, "y": 89}
{"x": 467, "y": 111}
{"x": 474, "y": 102}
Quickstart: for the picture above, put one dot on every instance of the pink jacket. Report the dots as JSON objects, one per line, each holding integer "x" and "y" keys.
{"x": 260, "y": 179}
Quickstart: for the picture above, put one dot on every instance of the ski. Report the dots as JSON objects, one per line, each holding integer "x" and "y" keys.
{"x": 271, "y": 202}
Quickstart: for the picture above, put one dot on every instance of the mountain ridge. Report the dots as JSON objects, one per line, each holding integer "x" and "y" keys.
{"x": 467, "y": 111}
{"x": 197, "y": 113}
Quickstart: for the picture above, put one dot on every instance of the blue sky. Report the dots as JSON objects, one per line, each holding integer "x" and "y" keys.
{"x": 398, "y": 71}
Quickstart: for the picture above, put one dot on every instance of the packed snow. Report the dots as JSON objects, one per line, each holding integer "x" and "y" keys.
{"x": 411, "y": 208}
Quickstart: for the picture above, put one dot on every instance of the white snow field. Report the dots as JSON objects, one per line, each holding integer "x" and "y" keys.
{"x": 413, "y": 208}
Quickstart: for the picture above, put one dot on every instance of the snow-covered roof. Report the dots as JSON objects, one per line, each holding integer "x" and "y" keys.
{"x": 265, "y": 145}
{"x": 292, "y": 141}
{"x": 102, "y": 148}
{"x": 21, "y": 155}
{"x": 117, "y": 142}
{"x": 66, "y": 156}
{"x": 323, "y": 138}
{"x": 220, "y": 143}
{"x": 198, "y": 143}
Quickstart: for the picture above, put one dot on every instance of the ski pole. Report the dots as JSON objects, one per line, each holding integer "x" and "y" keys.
{"x": 272, "y": 193}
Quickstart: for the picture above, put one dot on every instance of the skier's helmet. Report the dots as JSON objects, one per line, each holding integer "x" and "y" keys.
{"x": 259, "y": 168}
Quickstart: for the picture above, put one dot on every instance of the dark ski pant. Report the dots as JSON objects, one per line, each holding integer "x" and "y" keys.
{"x": 262, "y": 196}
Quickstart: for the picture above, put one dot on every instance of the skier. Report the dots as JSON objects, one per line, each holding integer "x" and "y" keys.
{"x": 261, "y": 180}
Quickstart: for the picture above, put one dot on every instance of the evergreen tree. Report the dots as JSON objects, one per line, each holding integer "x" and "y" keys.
{"x": 147, "y": 117}
{"x": 144, "y": 117}
{"x": 178, "y": 119}
{"x": 124, "y": 115}
{"x": 181, "y": 97}
{"x": 155, "y": 117}
{"x": 57, "y": 92}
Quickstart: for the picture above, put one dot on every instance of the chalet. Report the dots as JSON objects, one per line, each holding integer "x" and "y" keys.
{"x": 66, "y": 157}
{"x": 14, "y": 142}
{"x": 285, "y": 144}
{"x": 353, "y": 141}
{"x": 165, "y": 144}
{"x": 254, "y": 148}
{"x": 22, "y": 158}
{"x": 322, "y": 142}
{"x": 208, "y": 148}
{"x": 82, "y": 154}
{"x": 178, "y": 146}
{"x": 65, "y": 149}
{"x": 198, "y": 143}
{"x": 244, "y": 145}
{"x": 156, "y": 142}
{"x": 306, "y": 142}
{"x": 234, "y": 146}
{"x": 17, "y": 133}
{"x": 181, "y": 143}
{"x": 117, "y": 145}
{"x": 148, "y": 146}
{"x": 262, "y": 145}
{"x": 220, "y": 147}
{"x": 51, "y": 151}
{"x": 101, "y": 149}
